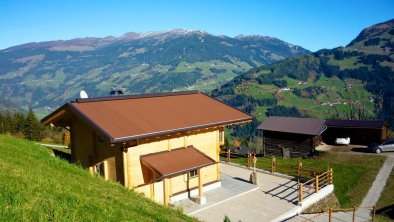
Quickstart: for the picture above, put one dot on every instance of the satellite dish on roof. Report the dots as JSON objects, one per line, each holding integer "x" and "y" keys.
{"x": 118, "y": 91}
{"x": 112, "y": 91}
{"x": 83, "y": 94}
{"x": 121, "y": 91}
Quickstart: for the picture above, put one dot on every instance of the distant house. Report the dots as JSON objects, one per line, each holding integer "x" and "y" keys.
{"x": 361, "y": 132}
{"x": 163, "y": 145}
{"x": 290, "y": 136}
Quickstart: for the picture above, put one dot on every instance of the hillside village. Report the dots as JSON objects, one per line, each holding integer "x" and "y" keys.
{"x": 183, "y": 125}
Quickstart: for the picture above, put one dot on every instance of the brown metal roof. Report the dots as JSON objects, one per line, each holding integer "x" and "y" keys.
{"x": 177, "y": 161}
{"x": 373, "y": 124}
{"x": 125, "y": 118}
{"x": 307, "y": 126}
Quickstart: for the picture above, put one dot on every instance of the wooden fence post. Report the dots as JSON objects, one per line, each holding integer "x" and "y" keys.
{"x": 228, "y": 155}
{"x": 254, "y": 160}
{"x": 373, "y": 212}
{"x": 354, "y": 214}
{"x": 249, "y": 160}
{"x": 273, "y": 164}
{"x": 300, "y": 192}
{"x": 316, "y": 183}
{"x": 330, "y": 215}
{"x": 330, "y": 176}
{"x": 299, "y": 169}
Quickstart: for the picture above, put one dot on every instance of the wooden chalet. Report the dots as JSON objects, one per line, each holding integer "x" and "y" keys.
{"x": 291, "y": 137}
{"x": 163, "y": 145}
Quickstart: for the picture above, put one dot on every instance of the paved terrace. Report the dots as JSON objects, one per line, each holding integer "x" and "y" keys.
{"x": 240, "y": 200}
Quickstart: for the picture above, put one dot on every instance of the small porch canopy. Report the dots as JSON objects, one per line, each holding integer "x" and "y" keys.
{"x": 177, "y": 161}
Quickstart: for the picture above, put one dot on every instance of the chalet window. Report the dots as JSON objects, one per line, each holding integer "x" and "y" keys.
{"x": 193, "y": 173}
{"x": 221, "y": 137}
{"x": 99, "y": 169}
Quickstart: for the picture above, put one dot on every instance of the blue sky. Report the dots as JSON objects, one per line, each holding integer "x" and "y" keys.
{"x": 313, "y": 24}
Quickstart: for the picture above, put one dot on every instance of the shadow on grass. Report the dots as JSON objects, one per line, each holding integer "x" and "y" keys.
{"x": 387, "y": 211}
{"x": 62, "y": 155}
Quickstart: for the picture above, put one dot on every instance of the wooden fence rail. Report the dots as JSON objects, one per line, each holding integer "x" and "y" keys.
{"x": 353, "y": 210}
{"x": 319, "y": 178}
{"x": 316, "y": 183}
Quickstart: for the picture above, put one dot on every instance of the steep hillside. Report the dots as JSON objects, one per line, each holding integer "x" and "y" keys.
{"x": 8, "y": 106}
{"x": 46, "y": 74}
{"x": 353, "y": 82}
{"x": 34, "y": 186}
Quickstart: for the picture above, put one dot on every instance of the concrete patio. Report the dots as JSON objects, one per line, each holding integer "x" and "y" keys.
{"x": 239, "y": 200}
{"x": 231, "y": 188}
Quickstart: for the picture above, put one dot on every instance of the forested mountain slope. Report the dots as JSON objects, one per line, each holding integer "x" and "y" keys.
{"x": 7, "y": 106}
{"x": 352, "y": 82}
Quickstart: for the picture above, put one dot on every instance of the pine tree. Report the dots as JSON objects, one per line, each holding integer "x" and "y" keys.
{"x": 2, "y": 128}
{"x": 32, "y": 127}
{"x": 9, "y": 123}
{"x": 19, "y": 120}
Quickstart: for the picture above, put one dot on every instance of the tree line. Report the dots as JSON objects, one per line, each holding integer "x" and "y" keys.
{"x": 29, "y": 127}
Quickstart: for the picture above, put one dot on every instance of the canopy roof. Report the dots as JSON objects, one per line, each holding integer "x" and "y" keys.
{"x": 175, "y": 162}
{"x": 306, "y": 126}
{"x": 125, "y": 118}
{"x": 374, "y": 124}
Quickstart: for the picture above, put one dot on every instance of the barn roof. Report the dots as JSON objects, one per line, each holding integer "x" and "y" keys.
{"x": 374, "y": 124}
{"x": 307, "y": 126}
{"x": 125, "y": 118}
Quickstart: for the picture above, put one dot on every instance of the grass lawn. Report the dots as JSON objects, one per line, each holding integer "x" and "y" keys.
{"x": 261, "y": 91}
{"x": 289, "y": 99}
{"x": 260, "y": 113}
{"x": 387, "y": 199}
{"x": 353, "y": 173}
{"x": 35, "y": 186}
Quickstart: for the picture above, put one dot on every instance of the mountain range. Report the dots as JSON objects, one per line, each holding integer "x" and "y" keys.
{"x": 8, "y": 106}
{"x": 261, "y": 75}
{"x": 43, "y": 75}
{"x": 352, "y": 82}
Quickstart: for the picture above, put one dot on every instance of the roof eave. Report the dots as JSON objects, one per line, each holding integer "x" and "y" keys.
{"x": 183, "y": 171}
{"x": 301, "y": 133}
{"x": 162, "y": 133}
{"x": 52, "y": 116}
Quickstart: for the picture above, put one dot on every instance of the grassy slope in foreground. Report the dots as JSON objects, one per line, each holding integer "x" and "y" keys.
{"x": 353, "y": 173}
{"x": 35, "y": 186}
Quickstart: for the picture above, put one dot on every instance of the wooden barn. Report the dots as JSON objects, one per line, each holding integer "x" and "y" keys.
{"x": 290, "y": 136}
{"x": 360, "y": 132}
{"x": 163, "y": 145}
